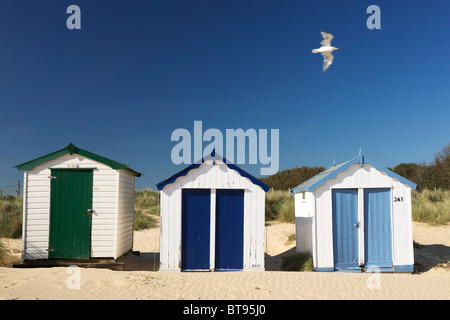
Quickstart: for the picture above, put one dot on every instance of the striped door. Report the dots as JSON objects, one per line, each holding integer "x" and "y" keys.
{"x": 229, "y": 248}
{"x": 377, "y": 228}
{"x": 345, "y": 228}
{"x": 70, "y": 221}
{"x": 195, "y": 233}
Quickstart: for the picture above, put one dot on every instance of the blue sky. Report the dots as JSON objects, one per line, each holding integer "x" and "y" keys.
{"x": 137, "y": 70}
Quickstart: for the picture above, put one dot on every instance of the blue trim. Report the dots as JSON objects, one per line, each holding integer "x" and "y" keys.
{"x": 324, "y": 269}
{"x": 404, "y": 268}
{"x": 373, "y": 269}
{"x": 393, "y": 175}
{"x": 355, "y": 270}
{"x": 172, "y": 179}
{"x": 227, "y": 270}
{"x": 245, "y": 174}
{"x": 214, "y": 155}
{"x": 311, "y": 184}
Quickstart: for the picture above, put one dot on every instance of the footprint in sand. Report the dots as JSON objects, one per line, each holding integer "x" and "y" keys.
{"x": 9, "y": 286}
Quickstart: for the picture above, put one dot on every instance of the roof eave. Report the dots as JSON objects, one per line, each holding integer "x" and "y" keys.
{"x": 359, "y": 159}
{"x": 71, "y": 149}
{"x": 213, "y": 157}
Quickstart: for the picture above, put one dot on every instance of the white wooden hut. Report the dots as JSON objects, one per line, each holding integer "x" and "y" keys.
{"x": 356, "y": 215}
{"x": 77, "y": 205}
{"x": 212, "y": 218}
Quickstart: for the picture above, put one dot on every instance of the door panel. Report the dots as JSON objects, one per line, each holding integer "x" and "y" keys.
{"x": 345, "y": 228}
{"x": 70, "y": 226}
{"x": 377, "y": 227}
{"x": 229, "y": 249}
{"x": 195, "y": 234}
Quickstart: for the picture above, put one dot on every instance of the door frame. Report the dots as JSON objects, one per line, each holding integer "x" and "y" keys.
{"x": 351, "y": 266}
{"x": 240, "y": 233}
{"x": 184, "y": 226}
{"x": 212, "y": 240}
{"x": 51, "y": 255}
{"x": 361, "y": 220}
{"x": 364, "y": 263}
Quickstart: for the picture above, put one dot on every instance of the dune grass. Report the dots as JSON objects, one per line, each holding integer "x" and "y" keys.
{"x": 280, "y": 206}
{"x": 146, "y": 209}
{"x": 431, "y": 206}
{"x": 11, "y": 217}
{"x": 298, "y": 262}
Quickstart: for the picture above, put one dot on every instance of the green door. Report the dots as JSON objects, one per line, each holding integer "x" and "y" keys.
{"x": 70, "y": 220}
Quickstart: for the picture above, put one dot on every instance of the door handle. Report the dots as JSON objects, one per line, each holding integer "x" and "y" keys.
{"x": 90, "y": 211}
{"x": 357, "y": 224}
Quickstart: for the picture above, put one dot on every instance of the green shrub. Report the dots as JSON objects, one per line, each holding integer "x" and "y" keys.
{"x": 298, "y": 262}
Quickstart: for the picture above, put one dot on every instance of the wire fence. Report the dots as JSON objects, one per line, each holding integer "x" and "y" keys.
{"x": 12, "y": 189}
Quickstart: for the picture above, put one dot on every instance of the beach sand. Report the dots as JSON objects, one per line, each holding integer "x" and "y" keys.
{"x": 140, "y": 282}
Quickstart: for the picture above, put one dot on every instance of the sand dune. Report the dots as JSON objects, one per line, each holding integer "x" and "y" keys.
{"x": 140, "y": 283}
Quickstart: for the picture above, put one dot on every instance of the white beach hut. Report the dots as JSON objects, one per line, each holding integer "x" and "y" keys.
{"x": 77, "y": 205}
{"x": 356, "y": 215}
{"x": 212, "y": 218}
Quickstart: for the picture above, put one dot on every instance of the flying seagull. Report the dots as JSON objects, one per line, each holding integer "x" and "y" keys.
{"x": 326, "y": 50}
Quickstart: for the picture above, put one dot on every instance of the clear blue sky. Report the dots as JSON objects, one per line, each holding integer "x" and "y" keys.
{"x": 137, "y": 70}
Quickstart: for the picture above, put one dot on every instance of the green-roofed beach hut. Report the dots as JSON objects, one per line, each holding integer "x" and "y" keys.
{"x": 77, "y": 205}
{"x": 356, "y": 216}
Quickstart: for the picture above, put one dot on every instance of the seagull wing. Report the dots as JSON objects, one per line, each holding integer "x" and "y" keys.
{"x": 327, "y": 60}
{"x": 327, "y": 37}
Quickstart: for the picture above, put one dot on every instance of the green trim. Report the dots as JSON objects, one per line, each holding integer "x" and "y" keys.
{"x": 71, "y": 149}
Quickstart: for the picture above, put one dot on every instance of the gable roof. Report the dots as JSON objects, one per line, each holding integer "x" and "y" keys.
{"x": 330, "y": 173}
{"x": 213, "y": 156}
{"x": 71, "y": 149}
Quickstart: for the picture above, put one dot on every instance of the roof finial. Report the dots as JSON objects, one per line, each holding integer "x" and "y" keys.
{"x": 213, "y": 155}
{"x": 334, "y": 162}
{"x": 361, "y": 157}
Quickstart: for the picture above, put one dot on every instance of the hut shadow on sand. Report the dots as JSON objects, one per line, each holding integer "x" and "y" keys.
{"x": 141, "y": 261}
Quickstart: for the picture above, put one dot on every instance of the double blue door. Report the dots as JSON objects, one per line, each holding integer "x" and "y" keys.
{"x": 377, "y": 228}
{"x": 196, "y": 229}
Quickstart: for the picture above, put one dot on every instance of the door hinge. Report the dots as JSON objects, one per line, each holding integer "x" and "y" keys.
{"x": 52, "y": 177}
{"x": 50, "y": 250}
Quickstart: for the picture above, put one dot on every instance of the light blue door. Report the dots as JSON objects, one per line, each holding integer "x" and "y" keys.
{"x": 345, "y": 228}
{"x": 377, "y": 227}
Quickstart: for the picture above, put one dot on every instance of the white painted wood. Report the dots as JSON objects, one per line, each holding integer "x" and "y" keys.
{"x": 360, "y": 178}
{"x": 212, "y": 228}
{"x": 209, "y": 176}
{"x": 112, "y": 202}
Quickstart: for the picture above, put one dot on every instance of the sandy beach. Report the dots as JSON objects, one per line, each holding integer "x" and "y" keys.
{"x": 140, "y": 282}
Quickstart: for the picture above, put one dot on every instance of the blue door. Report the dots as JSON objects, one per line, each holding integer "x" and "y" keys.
{"x": 377, "y": 227}
{"x": 345, "y": 228}
{"x": 195, "y": 234}
{"x": 229, "y": 249}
